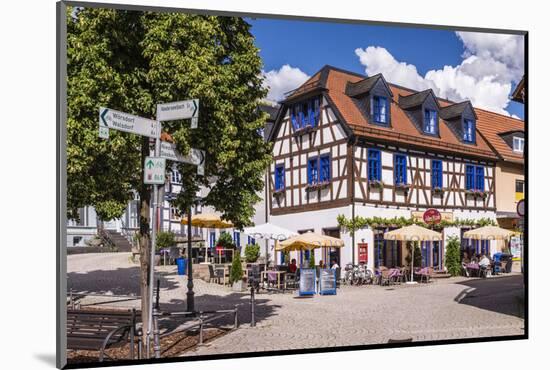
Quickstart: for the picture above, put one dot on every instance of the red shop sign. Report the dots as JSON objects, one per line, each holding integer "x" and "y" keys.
{"x": 432, "y": 216}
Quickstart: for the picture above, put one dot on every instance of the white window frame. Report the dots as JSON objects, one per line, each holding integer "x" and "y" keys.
{"x": 518, "y": 143}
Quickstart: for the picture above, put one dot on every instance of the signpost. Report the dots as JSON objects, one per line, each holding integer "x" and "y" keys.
{"x": 307, "y": 282}
{"x": 195, "y": 156}
{"x": 327, "y": 282}
{"x": 179, "y": 110}
{"x": 121, "y": 121}
{"x": 154, "y": 170}
{"x": 431, "y": 216}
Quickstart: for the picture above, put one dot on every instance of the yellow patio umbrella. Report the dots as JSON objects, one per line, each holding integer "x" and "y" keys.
{"x": 308, "y": 241}
{"x": 413, "y": 233}
{"x": 209, "y": 220}
{"x": 489, "y": 233}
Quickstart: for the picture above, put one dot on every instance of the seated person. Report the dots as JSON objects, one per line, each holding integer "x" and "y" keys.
{"x": 334, "y": 265}
{"x": 465, "y": 262}
{"x": 292, "y": 266}
{"x": 484, "y": 261}
{"x": 322, "y": 264}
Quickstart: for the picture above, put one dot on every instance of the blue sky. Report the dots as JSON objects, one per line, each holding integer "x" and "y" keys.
{"x": 403, "y": 55}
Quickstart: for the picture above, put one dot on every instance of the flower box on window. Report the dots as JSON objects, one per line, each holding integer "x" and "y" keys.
{"x": 317, "y": 186}
{"x": 437, "y": 190}
{"x": 279, "y": 192}
{"x": 477, "y": 193}
{"x": 376, "y": 184}
{"x": 402, "y": 187}
{"x": 303, "y": 130}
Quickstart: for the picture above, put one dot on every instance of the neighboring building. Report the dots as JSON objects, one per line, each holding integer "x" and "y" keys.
{"x": 519, "y": 92}
{"x": 354, "y": 145}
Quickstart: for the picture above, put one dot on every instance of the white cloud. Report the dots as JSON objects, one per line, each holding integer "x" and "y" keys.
{"x": 283, "y": 80}
{"x": 491, "y": 63}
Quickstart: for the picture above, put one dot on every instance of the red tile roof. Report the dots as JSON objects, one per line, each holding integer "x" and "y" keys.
{"x": 488, "y": 145}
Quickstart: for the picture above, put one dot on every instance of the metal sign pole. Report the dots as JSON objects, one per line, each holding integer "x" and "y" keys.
{"x": 152, "y": 257}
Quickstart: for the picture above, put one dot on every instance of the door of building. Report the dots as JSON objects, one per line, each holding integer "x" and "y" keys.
{"x": 332, "y": 254}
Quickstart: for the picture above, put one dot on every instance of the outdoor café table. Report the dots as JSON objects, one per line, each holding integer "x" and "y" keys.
{"x": 264, "y": 275}
{"x": 225, "y": 269}
{"x": 473, "y": 267}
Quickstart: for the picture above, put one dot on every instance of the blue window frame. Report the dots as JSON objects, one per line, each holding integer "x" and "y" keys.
{"x": 430, "y": 121}
{"x": 480, "y": 178}
{"x": 469, "y": 131}
{"x": 374, "y": 165}
{"x": 280, "y": 177}
{"x": 324, "y": 168}
{"x": 212, "y": 239}
{"x": 400, "y": 169}
{"x": 437, "y": 174}
{"x": 475, "y": 177}
{"x": 305, "y": 113}
{"x": 237, "y": 238}
{"x": 312, "y": 171}
{"x": 251, "y": 240}
{"x": 380, "y": 109}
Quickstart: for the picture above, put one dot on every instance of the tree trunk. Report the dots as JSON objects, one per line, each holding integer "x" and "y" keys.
{"x": 144, "y": 243}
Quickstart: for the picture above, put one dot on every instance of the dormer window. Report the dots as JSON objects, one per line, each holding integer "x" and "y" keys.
{"x": 305, "y": 114}
{"x": 469, "y": 131}
{"x": 380, "y": 109}
{"x": 518, "y": 144}
{"x": 430, "y": 121}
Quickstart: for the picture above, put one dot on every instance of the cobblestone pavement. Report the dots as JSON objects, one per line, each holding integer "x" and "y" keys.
{"x": 445, "y": 309}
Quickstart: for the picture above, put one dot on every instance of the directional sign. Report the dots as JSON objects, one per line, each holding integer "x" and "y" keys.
{"x": 154, "y": 170}
{"x": 103, "y": 132}
{"x": 195, "y": 156}
{"x": 110, "y": 118}
{"x": 179, "y": 110}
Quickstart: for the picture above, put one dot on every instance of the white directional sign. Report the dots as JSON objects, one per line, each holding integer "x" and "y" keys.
{"x": 103, "y": 132}
{"x": 179, "y": 110}
{"x": 110, "y": 118}
{"x": 195, "y": 156}
{"x": 154, "y": 170}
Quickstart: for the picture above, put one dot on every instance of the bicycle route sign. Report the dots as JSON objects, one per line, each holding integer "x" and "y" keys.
{"x": 121, "y": 121}
{"x": 154, "y": 170}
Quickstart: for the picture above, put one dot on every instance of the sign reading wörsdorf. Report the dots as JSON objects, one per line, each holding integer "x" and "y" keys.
{"x": 431, "y": 216}
{"x": 113, "y": 119}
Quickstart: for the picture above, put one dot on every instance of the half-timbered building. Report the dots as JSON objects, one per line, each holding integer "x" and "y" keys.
{"x": 347, "y": 144}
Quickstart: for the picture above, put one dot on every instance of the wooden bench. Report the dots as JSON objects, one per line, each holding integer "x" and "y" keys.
{"x": 98, "y": 330}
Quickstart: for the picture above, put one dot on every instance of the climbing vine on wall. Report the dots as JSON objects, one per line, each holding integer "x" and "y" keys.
{"x": 358, "y": 223}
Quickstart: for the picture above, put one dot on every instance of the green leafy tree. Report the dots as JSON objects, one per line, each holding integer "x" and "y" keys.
{"x": 225, "y": 241}
{"x": 252, "y": 252}
{"x": 131, "y": 61}
{"x": 236, "y": 269}
{"x": 452, "y": 256}
{"x": 311, "y": 259}
{"x": 165, "y": 239}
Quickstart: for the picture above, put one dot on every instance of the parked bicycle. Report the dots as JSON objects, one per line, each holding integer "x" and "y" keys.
{"x": 357, "y": 274}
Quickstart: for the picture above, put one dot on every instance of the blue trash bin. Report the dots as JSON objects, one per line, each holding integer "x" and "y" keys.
{"x": 182, "y": 264}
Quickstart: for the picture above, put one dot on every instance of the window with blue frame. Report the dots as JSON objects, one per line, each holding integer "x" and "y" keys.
{"x": 279, "y": 177}
{"x": 305, "y": 113}
{"x": 400, "y": 169}
{"x": 437, "y": 174}
{"x": 380, "y": 109}
{"x": 237, "y": 238}
{"x": 469, "y": 131}
{"x": 251, "y": 240}
{"x": 480, "y": 178}
{"x": 430, "y": 121}
{"x": 212, "y": 239}
{"x": 475, "y": 177}
{"x": 312, "y": 171}
{"x": 374, "y": 165}
{"x": 324, "y": 168}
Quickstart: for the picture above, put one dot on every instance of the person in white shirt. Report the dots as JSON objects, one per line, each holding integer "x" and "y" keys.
{"x": 484, "y": 261}
{"x": 334, "y": 265}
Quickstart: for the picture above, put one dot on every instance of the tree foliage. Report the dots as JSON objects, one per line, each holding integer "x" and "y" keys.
{"x": 252, "y": 253}
{"x": 131, "y": 61}
{"x": 236, "y": 269}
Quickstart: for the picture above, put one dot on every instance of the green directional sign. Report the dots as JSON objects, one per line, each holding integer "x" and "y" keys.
{"x": 154, "y": 170}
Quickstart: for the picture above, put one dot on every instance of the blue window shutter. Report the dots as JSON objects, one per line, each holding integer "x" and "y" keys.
{"x": 317, "y": 112}
{"x": 312, "y": 171}
{"x": 378, "y": 166}
{"x": 325, "y": 168}
{"x": 470, "y": 177}
{"x": 311, "y": 113}
{"x": 480, "y": 178}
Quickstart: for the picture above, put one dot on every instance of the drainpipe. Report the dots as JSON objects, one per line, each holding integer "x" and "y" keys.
{"x": 353, "y": 198}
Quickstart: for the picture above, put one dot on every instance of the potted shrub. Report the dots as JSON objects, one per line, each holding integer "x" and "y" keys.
{"x": 236, "y": 276}
{"x": 251, "y": 253}
{"x": 452, "y": 256}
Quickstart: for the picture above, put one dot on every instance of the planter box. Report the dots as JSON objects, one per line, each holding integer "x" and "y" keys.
{"x": 237, "y": 286}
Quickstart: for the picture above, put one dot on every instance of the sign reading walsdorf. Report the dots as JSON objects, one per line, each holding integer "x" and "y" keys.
{"x": 113, "y": 119}
{"x": 154, "y": 169}
{"x": 179, "y": 110}
{"x": 195, "y": 156}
